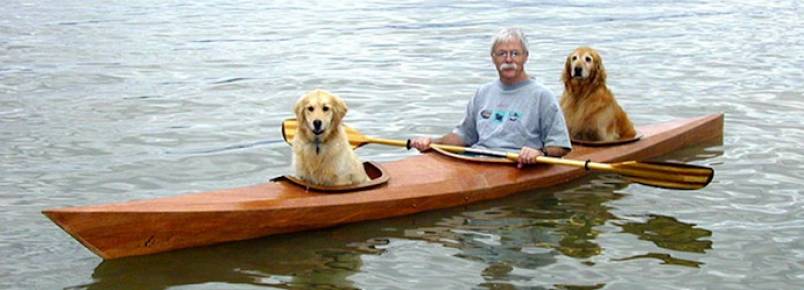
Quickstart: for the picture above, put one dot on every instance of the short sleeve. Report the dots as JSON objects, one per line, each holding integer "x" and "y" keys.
{"x": 554, "y": 127}
{"x": 467, "y": 129}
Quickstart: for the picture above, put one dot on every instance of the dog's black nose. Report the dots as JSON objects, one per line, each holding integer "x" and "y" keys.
{"x": 578, "y": 72}
{"x": 317, "y": 125}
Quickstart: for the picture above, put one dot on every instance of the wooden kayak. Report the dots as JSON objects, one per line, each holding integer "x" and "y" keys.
{"x": 418, "y": 183}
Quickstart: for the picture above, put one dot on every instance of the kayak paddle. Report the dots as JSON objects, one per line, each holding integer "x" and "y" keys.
{"x": 356, "y": 139}
{"x": 658, "y": 174}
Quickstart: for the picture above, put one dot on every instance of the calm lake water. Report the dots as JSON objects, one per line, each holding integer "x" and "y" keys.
{"x": 112, "y": 101}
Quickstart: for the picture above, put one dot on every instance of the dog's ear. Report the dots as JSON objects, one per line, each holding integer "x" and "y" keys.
{"x": 600, "y": 70}
{"x": 298, "y": 109}
{"x": 566, "y": 75}
{"x": 339, "y": 109}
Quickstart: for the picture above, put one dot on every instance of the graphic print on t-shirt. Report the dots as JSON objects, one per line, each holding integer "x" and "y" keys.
{"x": 500, "y": 116}
{"x": 485, "y": 114}
{"x": 513, "y": 116}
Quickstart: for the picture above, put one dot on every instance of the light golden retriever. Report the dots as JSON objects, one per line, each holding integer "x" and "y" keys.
{"x": 321, "y": 151}
{"x": 591, "y": 112}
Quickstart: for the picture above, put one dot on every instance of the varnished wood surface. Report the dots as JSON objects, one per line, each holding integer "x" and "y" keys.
{"x": 420, "y": 183}
{"x": 374, "y": 171}
{"x": 607, "y": 143}
{"x": 471, "y": 158}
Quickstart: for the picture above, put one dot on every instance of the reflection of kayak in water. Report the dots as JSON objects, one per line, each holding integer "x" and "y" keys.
{"x": 416, "y": 184}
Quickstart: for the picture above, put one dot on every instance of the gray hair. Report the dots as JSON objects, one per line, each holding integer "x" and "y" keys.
{"x": 508, "y": 34}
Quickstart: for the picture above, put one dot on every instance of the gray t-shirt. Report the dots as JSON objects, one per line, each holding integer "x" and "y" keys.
{"x": 508, "y": 117}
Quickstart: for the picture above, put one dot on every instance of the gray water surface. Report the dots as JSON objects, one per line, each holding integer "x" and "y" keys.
{"x": 110, "y": 101}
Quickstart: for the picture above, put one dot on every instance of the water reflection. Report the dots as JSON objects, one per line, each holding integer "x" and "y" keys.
{"x": 669, "y": 233}
{"x": 666, "y": 259}
{"x": 529, "y": 231}
{"x": 311, "y": 260}
{"x": 532, "y": 230}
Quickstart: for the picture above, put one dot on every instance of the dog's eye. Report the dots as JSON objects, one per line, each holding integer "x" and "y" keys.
{"x": 325, "y": 108}
{"x": 588, "y": 59}
{"x": 574, "y": 57}
{"x": 311, "y": 108}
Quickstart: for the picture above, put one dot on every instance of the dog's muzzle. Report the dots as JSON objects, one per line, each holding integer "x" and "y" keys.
{"x": 317, "y": 127}
{"x": 577, "y": 72}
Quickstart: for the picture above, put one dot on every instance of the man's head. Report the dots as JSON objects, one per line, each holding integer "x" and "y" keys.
{"x": 509, "y": 52}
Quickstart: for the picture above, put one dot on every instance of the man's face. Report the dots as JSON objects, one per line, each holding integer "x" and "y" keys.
{"x": 509, "y": 58}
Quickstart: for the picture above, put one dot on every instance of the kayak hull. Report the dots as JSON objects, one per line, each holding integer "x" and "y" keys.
{"x": 419, "y": 183}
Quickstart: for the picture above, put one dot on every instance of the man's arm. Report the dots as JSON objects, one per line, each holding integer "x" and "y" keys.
{"x": 555, "y": 151}
{"x": 423, "y": 143}
{"x": 450, "y": 139}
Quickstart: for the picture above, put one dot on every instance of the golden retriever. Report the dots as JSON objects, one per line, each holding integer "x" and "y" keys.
{"x": 591, "y": 112}
{"x": 321, "y": 151}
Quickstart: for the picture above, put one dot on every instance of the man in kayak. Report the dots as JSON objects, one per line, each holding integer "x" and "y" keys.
{"x": 512, "y": 113}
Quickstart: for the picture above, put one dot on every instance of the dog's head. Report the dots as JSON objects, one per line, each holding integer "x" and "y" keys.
{"x": 319, "y": 114}
{"x": 584, "y": 66}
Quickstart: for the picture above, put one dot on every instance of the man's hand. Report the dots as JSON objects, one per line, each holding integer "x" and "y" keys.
{"x": 528, "y": 156}
{"x": 421, "y": 143}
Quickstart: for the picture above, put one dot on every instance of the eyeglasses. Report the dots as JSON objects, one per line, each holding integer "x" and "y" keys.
{"x": 505, "y": 53}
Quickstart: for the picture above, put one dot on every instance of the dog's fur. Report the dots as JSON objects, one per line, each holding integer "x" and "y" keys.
{"x": 591, "y": 112}
{"x": 321, "y": 151}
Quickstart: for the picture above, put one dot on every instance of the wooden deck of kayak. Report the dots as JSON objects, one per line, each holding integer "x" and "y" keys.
{"x": 419, "y": 183}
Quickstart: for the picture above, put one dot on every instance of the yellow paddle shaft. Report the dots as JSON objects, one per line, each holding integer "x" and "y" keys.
{"x": 391, "y": 142}
{"x": 643, "y": 170}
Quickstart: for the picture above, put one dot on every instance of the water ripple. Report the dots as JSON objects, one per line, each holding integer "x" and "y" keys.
{"x": 117, "y": 101}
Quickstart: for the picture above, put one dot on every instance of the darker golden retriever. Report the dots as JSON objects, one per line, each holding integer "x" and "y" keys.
{"x": 591, "y": 112}
{"x": 321, "y": 151}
